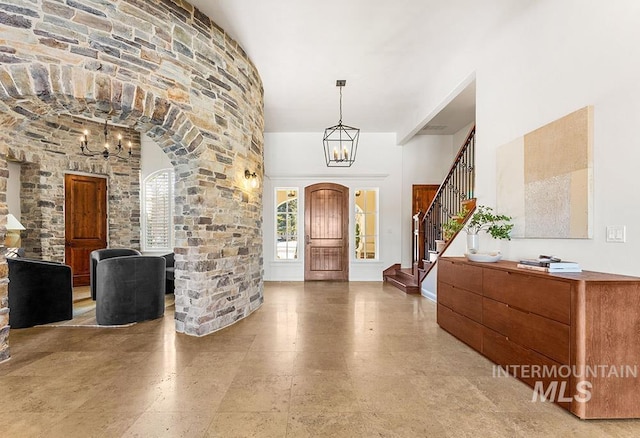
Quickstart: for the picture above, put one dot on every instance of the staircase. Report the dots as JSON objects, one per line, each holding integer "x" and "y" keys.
{"x": 454, "y": 195}
{"x": 404, "y": 279}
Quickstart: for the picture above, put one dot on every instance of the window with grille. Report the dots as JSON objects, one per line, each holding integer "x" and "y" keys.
{"x": 286, "y": 223}
{"x": 366, "y": 224}
{"x": 157, "y": 215}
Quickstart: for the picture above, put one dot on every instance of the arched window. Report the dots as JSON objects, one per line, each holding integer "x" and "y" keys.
{"x": 157, "y": 211}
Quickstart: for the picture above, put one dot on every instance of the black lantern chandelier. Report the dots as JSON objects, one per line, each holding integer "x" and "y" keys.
{"x": 107, "y": 151}
{"x": 340, "y": 141}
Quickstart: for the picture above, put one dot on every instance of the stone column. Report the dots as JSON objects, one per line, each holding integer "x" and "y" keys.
{"x": 4, "y": 280}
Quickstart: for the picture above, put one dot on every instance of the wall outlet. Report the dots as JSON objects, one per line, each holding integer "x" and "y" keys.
{"x": 616, "y": 233}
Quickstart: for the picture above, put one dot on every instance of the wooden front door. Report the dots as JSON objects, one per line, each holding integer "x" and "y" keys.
{"x": 422, "y": 196}
{"x": 85, "y": 218}
{"x": 326, "y": 228}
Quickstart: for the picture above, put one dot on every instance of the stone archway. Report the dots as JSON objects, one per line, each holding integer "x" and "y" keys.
{"x": 47, "y": 149}
{"x": 168, "y": 71}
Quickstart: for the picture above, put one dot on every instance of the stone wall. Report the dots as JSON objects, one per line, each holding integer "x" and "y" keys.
{"x": 4, "y": 282}
{"x": 162, "y": 68}
{"x": 49, "y": 148}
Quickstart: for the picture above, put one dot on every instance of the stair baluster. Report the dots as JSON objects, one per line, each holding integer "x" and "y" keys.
{"x": 456, "y": 189}
{"x": 455, "y": 192}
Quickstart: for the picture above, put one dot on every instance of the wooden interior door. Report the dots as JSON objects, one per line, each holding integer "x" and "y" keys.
{"x": 85, "y": 202}
{"x": 421, "y": 198}
{"x": 326, "y": 227}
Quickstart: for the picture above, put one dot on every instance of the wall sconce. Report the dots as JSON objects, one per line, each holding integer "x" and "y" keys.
{"x": 13, "y": 239}
{"x": 252, "y": 178}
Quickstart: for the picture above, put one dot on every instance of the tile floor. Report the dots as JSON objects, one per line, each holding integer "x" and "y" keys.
{"x": 81, "y": 293}
{"x": 317, "y": 359}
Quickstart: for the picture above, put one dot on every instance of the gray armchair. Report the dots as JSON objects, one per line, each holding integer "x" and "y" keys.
{"x": 101, "y": 254}
{"x": 129, "y": 289}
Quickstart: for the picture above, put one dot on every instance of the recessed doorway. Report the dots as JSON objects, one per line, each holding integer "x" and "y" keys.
{"x": 85, "y": 201}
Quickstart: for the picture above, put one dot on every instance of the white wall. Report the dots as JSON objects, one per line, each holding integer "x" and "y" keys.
{"x": 461, "y": 136}
{"x": 563, "y": 56}
{"x": 296, "y": 160}
{"x": 152, "y": 157}
{"x": 13, "y": 189}
{"x": 554, "y": 58}
{"x": 426, "y": 159}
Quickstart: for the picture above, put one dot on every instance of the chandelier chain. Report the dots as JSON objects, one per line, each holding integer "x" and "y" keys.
{"x": 340, "y": 121}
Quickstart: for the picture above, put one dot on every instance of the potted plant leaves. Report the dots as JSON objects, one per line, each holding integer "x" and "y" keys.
{"x": 484, "y": 218}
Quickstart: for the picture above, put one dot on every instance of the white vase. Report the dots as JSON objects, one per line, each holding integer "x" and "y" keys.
{"x": 473, "y": 243}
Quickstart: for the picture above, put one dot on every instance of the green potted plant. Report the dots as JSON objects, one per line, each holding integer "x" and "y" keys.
{"x": 499, "y": 226}
{"x": 450, "y": 228}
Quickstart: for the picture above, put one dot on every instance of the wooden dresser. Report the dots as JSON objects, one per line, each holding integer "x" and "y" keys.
{"x": 574, "y": 337}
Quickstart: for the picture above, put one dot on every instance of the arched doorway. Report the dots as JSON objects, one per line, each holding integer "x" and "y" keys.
{"x": 202, "y": 104}
{"x": 326, "y": 223}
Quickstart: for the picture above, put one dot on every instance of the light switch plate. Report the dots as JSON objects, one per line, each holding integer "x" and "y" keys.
{"x": 616, "y": 233}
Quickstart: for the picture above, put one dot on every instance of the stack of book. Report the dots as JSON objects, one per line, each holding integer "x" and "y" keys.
{"x": 549, "y": 264}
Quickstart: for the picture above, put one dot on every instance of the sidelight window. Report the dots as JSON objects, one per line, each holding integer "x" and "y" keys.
{"x": 366, "y": 224}
{"x": 286, "y": 223}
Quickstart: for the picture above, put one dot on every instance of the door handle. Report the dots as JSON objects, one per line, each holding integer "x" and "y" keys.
{"x": 307, "y": 240}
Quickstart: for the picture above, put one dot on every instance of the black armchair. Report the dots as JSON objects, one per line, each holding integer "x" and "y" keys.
{"x": 129, "y": 289}
{"x": 101, "y": 254}
{"x": 39, "y": 292}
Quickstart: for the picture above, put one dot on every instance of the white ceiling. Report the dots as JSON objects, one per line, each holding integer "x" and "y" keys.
{"x": 455, "y": 115}
{"x": 386, "y": 50}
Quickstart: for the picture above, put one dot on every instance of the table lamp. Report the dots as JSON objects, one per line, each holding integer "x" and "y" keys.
{"x": 12, "y": 239}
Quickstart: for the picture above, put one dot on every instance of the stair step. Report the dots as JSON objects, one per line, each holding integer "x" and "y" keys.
{"x": 410, "y": 288}
{"x": 406, "y": 275}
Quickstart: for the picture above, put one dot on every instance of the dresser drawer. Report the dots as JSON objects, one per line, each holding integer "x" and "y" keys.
{"x": 461, "y": 275}
{"x": 546, "y": 336}
{"x": 495, "y": 315}
{"x": 461, "y": 301}
{"x": 527, "y": 365}
{"x": 544, "y": 296}
{"x": 463, "y": 328}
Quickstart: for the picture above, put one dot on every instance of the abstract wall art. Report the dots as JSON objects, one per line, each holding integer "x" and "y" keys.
{"x": 545, "y": 179}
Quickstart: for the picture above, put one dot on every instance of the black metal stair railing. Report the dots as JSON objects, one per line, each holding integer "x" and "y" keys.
{"x": 457, "y": 187}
